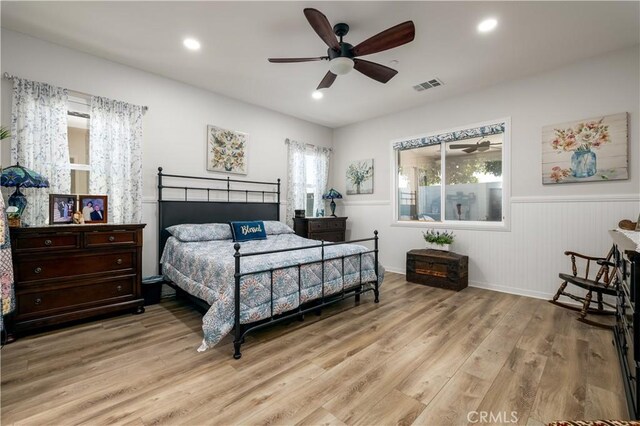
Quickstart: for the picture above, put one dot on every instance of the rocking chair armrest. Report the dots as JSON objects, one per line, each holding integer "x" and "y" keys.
{"x": 604, "y": 262}
{"x": 584, "y": 256}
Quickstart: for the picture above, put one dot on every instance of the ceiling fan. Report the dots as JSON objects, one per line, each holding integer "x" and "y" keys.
{"x": 343, "y": 57}
{"x": 478, "y": 146}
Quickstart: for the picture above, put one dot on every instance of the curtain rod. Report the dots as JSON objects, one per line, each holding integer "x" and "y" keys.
{"x": 8, "y": 76}
{"x": 287, "y": 141}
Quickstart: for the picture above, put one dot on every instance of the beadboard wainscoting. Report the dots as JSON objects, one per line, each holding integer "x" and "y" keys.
{"x": 525, "y": 260}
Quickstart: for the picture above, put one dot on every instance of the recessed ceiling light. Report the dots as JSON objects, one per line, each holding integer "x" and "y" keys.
{"x": 191, "y": 44}
{"x": 317, "y": 94}
{"x": 487, "y": 25}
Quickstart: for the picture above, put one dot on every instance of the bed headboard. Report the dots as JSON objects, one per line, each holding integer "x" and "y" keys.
{"x": 221, "y": 200}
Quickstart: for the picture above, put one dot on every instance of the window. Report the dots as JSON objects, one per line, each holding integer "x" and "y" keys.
{"x": 310, "y": 175}
{"x": 307, "y": 177}
{"x": 455, "y": 178}
{"x": 78, "y": 137}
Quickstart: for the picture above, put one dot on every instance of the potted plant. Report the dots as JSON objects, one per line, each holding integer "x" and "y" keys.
{"x": 13, "y": 217}
{"x": 438, "y": 240}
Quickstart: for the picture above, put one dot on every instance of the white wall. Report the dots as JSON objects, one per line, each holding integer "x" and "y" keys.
{"x": 174, "y": 126}
{"x": 545, "y": 220}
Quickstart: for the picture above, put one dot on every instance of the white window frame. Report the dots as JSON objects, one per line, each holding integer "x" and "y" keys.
{"x": 81, "y": 106}
{"x": 505, "y": 225}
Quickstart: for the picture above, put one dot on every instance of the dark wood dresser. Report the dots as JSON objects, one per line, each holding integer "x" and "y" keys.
{"x": 438, "y": 268}
{"x": 321, "y": 228}
{"x": 69, "y": 272}
{"x": 627, "y": 261}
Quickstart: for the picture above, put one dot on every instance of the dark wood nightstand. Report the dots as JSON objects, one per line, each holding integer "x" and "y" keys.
{"x": 68, "y": 272}
{"x": 438, "y": 268}
{"x": 321, "y": 228}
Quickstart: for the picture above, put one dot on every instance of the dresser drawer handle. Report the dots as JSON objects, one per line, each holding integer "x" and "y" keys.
{"x": 119, "y": 261}
{"x": 48, "y": 242}
{"x": 112, "y": 238}
{"x": 38, "y": 301}
{"x": 37, "y": 270}
{"x": 119, "y": 288}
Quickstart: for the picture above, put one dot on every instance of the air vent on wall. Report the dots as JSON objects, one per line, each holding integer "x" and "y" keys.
{"x": 428, "y": 85}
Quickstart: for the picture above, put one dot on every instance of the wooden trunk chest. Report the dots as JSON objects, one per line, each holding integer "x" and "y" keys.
{"x": 438, "y": 268}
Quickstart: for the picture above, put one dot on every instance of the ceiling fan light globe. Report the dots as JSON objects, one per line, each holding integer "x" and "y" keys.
{"x": 341, "y": 66}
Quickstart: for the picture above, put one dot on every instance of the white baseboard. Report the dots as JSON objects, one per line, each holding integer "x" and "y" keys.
{"x": 512, "y": 290}
{"x": 493, "y": 287}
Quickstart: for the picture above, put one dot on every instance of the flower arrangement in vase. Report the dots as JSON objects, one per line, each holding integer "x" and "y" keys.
{"x": 438, "y": 240}
{"x": 581, "y": 139}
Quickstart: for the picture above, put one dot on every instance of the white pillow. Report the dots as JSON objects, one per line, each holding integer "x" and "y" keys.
{"x": 273, "y": 227}
{"x": 191, "y": 232}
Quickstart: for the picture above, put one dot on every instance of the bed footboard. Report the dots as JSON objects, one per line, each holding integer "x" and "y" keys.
{"x": 241, "y": 330}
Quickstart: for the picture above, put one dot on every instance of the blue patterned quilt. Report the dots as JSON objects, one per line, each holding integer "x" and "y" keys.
{"x": 206, "y": 270}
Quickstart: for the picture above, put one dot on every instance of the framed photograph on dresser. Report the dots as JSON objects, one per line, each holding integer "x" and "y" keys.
{"x": 61, "y": 208}
{"x": 93, "y": 208}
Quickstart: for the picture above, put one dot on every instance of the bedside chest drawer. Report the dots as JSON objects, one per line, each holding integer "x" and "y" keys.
{"x": 333, "y": 237}
{"x": 318, "y": 225}
{"x": 40, "y": 301}
{"x": 331, "y": 229}
{"x": 337, "y": 225}
{"x": 42, "y": 269}
{"x": 48, "y": 242}
{"x": 100, "y": 238}
{"x": 327, "y": 225}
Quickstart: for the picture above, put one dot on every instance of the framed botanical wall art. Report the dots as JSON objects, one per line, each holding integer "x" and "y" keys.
{"x": 226, "y": 150}
{"x": 593, "y": 149}
{"x": 360, "y": 177}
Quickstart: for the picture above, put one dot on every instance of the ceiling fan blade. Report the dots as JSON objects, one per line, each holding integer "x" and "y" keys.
{"x": 470, "y": 150}
{"x": 287, "y": 60}
{"x": 387, "y": 39}
{"x": 327, "y": 81}
{"x": 322, "y": 27}
{"x": 375, "y": 71}
{"x": 462, "y": 145}
{"x": 483, "y": 148}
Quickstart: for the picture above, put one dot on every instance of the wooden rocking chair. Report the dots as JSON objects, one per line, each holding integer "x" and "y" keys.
{"x": 602, "y": 284}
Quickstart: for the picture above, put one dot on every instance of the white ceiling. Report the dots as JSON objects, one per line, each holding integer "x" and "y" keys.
{"x": 237, "y": 37}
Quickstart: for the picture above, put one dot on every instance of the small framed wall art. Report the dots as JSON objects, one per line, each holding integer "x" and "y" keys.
{"x": 226, "y": 150}
{"x": 61, "y": 208}
{"x": 93, "y": 208}
{"x": 360, "y": 177}
{"x": 593, "y": 149}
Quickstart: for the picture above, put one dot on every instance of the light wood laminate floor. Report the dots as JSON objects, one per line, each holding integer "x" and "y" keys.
{"x": 422, "y": 356}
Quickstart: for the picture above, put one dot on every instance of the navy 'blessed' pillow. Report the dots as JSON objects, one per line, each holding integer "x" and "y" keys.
{"x": 248, "y": 230}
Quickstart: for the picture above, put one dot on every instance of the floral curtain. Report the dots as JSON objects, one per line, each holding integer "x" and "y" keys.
{"x": 39, "y": 142}
{"x": 321, "y": 160}
{"x": 296, "y": 178}
{"x": 115, "y": 157}
{"x": 317, "y": 169}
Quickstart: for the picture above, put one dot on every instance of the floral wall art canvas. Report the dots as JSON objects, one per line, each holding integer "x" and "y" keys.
{"x": 226, "y": 151}
{"x": 594, "y": 149}
{"x": 360, "y": 177}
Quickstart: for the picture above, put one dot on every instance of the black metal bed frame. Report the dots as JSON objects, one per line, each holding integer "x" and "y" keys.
{"x": 173, "y": 212}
